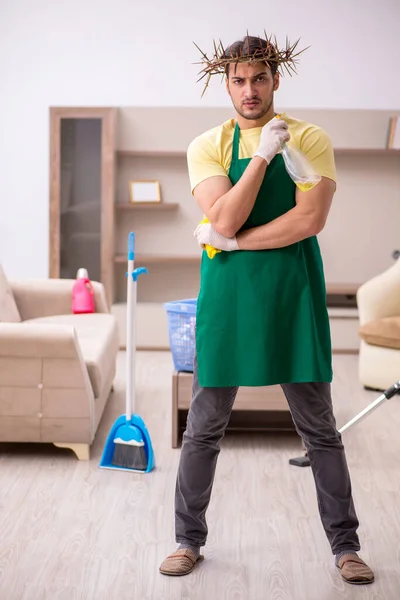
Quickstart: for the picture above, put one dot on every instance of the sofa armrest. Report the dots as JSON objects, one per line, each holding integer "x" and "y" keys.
{"x": 379, "y": 297}
{"x": 46, "y": 394}
{"x": 47, "y": 297}
{"x": 34, "y": 340}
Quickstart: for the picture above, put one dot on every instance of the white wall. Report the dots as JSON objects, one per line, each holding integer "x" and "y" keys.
{"x": 126, "y": 52}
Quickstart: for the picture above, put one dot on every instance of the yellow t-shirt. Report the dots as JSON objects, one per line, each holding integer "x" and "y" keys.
{"x": 210, "y": 153}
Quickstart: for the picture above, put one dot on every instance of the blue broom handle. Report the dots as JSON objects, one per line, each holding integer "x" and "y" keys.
{"x": 130, "y": 326}
{"x": 133, "y": 275}
{"x": 131, "y": 245}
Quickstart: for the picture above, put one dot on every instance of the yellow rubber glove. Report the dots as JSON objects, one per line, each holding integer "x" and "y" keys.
{"x": 211, "y": 251}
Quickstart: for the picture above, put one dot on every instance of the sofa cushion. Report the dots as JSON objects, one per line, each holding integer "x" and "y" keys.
{"x": 382, "y": 332}
{"x": 9, "y": 312}
{"x": 97, "y": 335}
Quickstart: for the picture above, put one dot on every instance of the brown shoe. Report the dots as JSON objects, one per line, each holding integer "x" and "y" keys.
{"x": 180, "y": 562}
{"x": 354, "y": 570}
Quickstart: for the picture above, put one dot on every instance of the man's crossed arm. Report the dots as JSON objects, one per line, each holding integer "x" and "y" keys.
{"x": 306, "y": 219}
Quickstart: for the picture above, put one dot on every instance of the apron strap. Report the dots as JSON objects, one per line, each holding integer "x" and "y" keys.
{"x": 235, "y": 144}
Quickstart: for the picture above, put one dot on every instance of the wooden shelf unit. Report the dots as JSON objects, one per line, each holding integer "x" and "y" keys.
{"x": 345, "y": 289}
{"x": 343, "y": 323}
{"x": 151, "y": 259}
{"x": 378, "y": 151}
{"x": 151, "y": 143}
{"x": 152, "y": 153}
{"x": 147, "y": 206}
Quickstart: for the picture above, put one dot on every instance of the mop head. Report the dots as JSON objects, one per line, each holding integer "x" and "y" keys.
{"x": 129, "y": 450}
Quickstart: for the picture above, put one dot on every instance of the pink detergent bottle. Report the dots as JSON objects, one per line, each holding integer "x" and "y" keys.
{"x": 82, "y": 294}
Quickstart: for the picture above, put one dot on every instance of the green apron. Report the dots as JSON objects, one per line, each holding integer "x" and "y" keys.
{"x": 261, "y": 315}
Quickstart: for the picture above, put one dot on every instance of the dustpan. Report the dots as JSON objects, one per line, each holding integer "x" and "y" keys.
{"x": 128, "y": 446}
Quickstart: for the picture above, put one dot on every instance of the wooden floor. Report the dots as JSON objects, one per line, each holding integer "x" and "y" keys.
{"x": 72, "y": 531}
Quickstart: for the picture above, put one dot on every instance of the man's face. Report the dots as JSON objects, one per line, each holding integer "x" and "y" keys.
{"x": 251, "y": 88}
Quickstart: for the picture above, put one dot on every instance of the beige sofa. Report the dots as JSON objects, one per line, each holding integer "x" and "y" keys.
{"x": 56, "y": 368}
{"x": 379, "y": 315}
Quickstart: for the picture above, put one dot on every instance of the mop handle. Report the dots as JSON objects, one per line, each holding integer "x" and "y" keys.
{"x": 387, "y": 394}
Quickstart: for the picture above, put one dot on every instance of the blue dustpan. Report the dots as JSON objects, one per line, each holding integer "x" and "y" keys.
{"x": 128, "y": 446}
{"x": 142, "y": 437}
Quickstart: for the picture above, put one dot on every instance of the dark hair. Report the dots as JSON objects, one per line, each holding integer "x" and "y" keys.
{"x": 254, "y": 47}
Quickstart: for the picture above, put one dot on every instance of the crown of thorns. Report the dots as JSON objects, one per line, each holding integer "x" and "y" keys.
{"x": 269, "y": 53}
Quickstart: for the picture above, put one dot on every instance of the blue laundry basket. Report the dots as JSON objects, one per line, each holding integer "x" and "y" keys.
{"x": 181, "y": 315}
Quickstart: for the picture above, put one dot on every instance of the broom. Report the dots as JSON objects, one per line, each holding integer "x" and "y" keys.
{"x": 128, "y": 446}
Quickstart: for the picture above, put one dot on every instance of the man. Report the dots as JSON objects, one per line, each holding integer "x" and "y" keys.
{"x": 261, "y": 316}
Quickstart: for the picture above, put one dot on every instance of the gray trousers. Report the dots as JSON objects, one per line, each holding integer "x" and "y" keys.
{"x": 311, "y": 409}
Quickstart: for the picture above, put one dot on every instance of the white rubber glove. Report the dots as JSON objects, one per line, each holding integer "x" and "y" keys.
{"x": 205, "y": 234}
{"x": 273, "y": 134}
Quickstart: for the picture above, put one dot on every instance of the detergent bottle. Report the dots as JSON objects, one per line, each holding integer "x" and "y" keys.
{"x": 82, "y": 294}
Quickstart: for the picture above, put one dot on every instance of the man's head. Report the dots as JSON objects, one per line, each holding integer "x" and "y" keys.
{"x": 251, "y": 85}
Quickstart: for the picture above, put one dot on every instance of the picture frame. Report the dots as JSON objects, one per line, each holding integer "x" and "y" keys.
{"x": 393, "y": 141}
{"x": 144, "y": 191}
